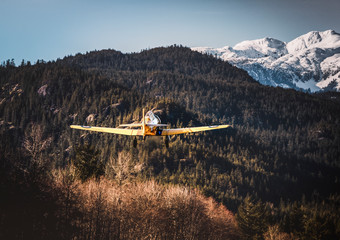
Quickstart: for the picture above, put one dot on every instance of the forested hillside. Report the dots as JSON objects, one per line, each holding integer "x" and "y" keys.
{"x": 278, "y": 166}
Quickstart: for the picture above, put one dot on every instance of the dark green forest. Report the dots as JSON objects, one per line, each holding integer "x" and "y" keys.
{"x": 277, "y": 169}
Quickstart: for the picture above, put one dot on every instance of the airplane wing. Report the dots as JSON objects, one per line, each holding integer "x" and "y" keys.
{"x": 141, "y": 125}
{"x": 175, "y": 131}
{"x": 130, "y": 132}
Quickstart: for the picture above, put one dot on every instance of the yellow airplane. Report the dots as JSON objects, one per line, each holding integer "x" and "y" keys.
{"x": 149, "y": 126}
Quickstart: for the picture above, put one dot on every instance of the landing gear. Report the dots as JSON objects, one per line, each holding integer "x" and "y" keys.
{"x": 166, "y": 141}
{"x": 134, "y": 142}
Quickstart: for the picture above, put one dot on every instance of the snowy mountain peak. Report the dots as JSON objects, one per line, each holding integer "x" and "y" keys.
{"x": 309, "y": 62}
{"x": 263, "y": 43}
{"x": 261, "y": 48}
{"x": 314, "y": 39}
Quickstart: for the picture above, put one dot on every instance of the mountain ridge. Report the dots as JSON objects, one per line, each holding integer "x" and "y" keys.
{"x": 310, "y": 62}
{"x": 282, "y": 149}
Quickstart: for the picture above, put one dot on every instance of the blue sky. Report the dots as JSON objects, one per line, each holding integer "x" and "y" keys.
{"x": 51, "y": 29}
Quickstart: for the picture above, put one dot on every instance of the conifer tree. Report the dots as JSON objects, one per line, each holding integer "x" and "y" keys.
{"x": 87, "y": 163}
{"x": 294, "y": 222}
{"x": 252, "y": 218}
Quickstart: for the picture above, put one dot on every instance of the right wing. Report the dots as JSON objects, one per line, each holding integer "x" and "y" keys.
{"x": 141, "y": 125}
{"x": 176, "y": 131}
{"x": 122, "y": 131}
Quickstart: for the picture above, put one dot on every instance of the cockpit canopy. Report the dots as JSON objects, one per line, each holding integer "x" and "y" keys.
{"x": 150, "y": 117}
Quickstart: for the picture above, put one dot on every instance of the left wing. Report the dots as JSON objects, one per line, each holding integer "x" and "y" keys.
{"x": 175, "y": 131}
{"x": 122, "y": 131}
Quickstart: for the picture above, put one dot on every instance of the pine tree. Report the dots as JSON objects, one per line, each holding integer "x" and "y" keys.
{"x": 87, "y": 163}
{"x": 294, "y": 222}
{"x": 252, "y": 219}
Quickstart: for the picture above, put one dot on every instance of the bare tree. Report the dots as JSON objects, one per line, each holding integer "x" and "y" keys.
{"x": 149, "y": 210}
{"x": 120, "y": 168}
{"x": 274, "y": 233}
{"x": 35, "y": 143}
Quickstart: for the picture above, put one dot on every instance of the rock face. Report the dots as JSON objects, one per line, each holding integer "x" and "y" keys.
{"x": 310, "y": 62}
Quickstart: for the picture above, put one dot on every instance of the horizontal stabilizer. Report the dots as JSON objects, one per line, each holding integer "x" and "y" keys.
{"x": 157, "y": 125}
{"x": 131, "y": 125}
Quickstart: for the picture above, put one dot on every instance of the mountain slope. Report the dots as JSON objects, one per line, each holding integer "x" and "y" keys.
{"x": 309, "y": 62}
{"x": 283, "y": 147}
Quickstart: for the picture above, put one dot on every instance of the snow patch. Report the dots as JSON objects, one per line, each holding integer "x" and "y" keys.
{"x": 331, "y": 63}
{"x": 333, "y": 79}
{"x": 90, "y": 118}
{"x": 308, "y": 85}
{"x": 42, "y": 91}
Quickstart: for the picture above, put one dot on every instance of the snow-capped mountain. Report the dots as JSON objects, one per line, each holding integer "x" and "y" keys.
{"x": 309, "y": 62}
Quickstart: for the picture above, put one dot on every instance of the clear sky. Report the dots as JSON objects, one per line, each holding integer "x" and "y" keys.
{"x": 51, "y": 29}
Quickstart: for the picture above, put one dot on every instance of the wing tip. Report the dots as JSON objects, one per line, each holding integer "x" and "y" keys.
{"x": 79, "y": 126}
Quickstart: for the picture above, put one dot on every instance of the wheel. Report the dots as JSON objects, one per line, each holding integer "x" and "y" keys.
{"x": 166, "y": 141}
{"x": 134, "y": 142}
